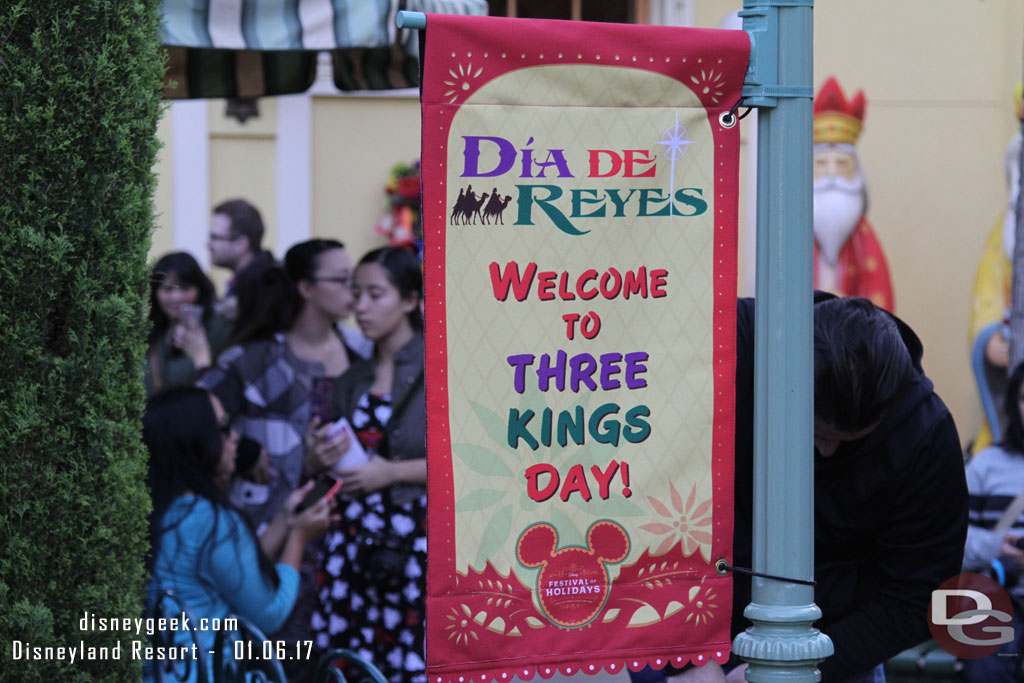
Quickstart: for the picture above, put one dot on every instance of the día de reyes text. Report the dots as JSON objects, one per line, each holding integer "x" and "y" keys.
{"x": 569, "y": 208}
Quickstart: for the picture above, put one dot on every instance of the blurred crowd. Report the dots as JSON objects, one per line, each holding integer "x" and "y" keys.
{"x": 288, "y": 450}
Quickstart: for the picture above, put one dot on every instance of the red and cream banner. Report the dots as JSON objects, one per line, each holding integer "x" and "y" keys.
{"x": 579, "y": 211}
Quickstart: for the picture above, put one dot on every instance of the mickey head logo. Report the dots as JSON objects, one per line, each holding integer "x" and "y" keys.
{"x": 573, "y": 584}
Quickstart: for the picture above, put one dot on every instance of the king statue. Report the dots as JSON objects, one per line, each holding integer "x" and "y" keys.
{"x": 848, "y": 259}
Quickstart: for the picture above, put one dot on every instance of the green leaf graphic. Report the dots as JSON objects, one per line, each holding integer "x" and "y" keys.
{"x": 480, "y": 499}
{"x": 527, "y": 503}
{"x": 481, "y": 460}
{"x": 616, "y": 506}
{"x": 568, "y": 532}
{"x": 494, "y": 535}
{"x": 594, "y": 452}
{"x": 533, "y": 398}
{"x": 496, "y": 427}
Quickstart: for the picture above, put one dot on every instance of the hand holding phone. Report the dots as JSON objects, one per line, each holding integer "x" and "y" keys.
{"x": 191, "y": 315}
{"x": 327, "y": 486}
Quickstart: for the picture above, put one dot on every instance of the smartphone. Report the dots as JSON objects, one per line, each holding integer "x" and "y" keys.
{"x": 327, "y": 485}
{"x": 191, "y": 314}
{"x": 320, "y": 398}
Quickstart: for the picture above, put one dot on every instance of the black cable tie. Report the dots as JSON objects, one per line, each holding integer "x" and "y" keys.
{"x": 721, "y": 566}
{"x": 746, "y": 113}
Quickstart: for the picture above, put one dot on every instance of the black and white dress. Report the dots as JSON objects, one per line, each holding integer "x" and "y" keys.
{"x": 373, "y": 578}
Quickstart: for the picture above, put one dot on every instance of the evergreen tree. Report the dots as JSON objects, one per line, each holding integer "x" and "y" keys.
{"x": 79, "y": 102}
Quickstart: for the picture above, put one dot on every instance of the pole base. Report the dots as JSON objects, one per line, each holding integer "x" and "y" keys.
{"x": 782, "y": 646}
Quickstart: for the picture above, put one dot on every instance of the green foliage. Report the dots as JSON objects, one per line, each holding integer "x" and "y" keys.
{"x": 79, "y": 103}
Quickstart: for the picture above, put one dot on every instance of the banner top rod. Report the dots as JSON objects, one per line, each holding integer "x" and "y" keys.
{"x": 413, "y": 20}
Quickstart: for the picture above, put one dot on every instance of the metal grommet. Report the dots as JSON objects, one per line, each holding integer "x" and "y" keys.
{"x": 722, "y": 567}
{"x": 727, "y": 119}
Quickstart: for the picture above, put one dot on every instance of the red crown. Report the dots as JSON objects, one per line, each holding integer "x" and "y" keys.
{"x": 835, "y": 118}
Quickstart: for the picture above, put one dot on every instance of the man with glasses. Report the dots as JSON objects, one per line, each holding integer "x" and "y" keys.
{"x": 236, "y": 235}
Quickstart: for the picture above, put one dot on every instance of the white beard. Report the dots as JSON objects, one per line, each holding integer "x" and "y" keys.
{"x": 838, "y": 207}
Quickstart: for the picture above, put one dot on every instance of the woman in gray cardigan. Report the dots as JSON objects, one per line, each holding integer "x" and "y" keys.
{"x": 374, "y": 572}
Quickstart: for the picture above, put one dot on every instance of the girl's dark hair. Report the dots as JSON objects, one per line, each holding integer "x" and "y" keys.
{"x": 184, "y": 440}
{"x": 405, "y": 273}
{"x": 188, "y": 272}
{"x": 1013, "y": 440}
{"x": 268, "y": 298}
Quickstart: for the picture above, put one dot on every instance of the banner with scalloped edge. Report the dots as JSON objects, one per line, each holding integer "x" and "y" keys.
{"x": 579, "y": 207}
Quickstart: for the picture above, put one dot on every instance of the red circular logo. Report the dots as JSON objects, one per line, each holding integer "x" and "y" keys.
{"x": 970, "y": 616}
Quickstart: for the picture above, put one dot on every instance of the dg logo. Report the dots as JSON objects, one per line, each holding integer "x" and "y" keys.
{"x": 970, "y": 616}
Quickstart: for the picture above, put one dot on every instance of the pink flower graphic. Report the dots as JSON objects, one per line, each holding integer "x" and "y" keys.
{"x": 687, "y": 523}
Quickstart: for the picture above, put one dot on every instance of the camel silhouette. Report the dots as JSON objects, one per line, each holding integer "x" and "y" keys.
{"x": 467, "y": 207}
{"x": 495, "y": 208}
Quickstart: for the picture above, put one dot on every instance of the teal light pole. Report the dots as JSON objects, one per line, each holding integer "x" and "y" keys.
{"x": 782, "y": 645}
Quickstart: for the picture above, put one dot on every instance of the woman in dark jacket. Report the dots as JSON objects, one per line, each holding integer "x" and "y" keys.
{"x": 372, "y": 599}
{"x": 182, "y": 326}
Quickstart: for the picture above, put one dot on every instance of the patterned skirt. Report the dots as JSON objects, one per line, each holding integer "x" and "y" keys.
{"x": 372, "y": 585}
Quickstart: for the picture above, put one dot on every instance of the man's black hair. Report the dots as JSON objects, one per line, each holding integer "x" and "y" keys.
{"x": 861, "y": 365}
{"x": 245, "y": 221}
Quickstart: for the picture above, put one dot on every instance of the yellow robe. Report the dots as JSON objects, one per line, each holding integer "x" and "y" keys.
{"x": 989, "y": 303}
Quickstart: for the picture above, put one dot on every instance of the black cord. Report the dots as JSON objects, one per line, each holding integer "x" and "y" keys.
{"x": 722, "y": 566}
{"x": 731, "y": 115}
{"x": 736, "y": 106}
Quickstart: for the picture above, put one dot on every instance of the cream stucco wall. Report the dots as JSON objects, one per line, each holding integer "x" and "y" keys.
{"x": 938, "y": 75}
{"x": 357, "y": 142}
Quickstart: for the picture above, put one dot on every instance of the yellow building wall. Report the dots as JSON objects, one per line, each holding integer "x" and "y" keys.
{"x": 161, "y": 240}
{"x": 938, "y": 75}
{"x": 357, "y": 141}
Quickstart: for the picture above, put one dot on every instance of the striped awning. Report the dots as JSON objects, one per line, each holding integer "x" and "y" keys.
{"x": 252, "y": 48}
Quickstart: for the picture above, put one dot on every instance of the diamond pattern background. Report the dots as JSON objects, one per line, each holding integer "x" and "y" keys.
{"x": 676, "y": 331}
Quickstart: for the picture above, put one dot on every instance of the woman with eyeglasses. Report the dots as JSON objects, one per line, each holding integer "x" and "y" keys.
{"x": 287, "y": 344}
{"x": 286, "y": 350}
{"x": 203, "y": 549}
{"x": 374, "y": 570}
{"x": 182, "y": 328}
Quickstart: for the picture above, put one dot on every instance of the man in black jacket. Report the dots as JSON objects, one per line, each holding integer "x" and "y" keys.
{"x": 890, "y": 497}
